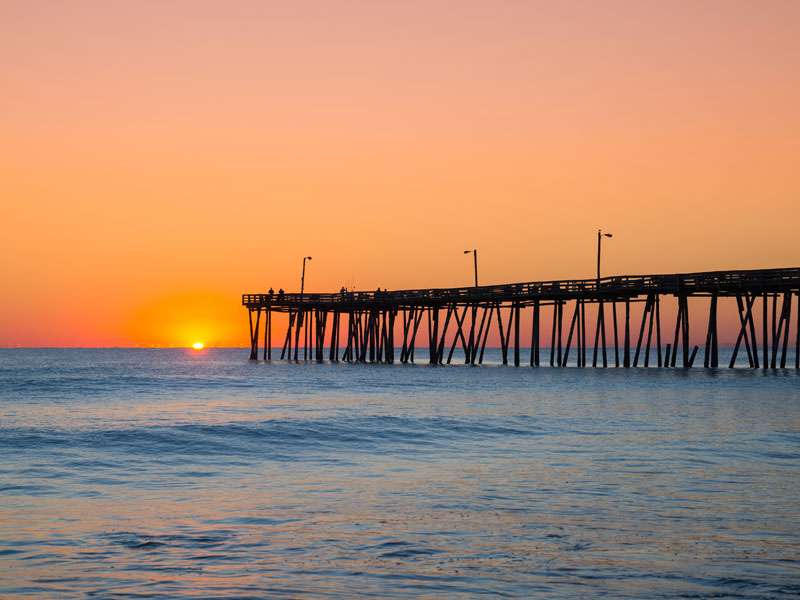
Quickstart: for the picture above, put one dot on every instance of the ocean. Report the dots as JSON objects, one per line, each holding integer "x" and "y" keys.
{"x": 175, "y": 473}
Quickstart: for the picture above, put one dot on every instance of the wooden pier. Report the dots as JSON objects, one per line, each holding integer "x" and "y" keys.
{"x": 385, "y": 326}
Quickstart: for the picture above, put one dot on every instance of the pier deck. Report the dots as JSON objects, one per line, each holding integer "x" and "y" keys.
{"x": 369, "y": 320}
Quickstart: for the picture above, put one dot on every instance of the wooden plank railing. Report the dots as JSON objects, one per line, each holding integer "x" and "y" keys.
{"x": 708, "y": 282}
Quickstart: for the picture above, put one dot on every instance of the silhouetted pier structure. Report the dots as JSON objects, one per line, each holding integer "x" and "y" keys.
{"x": 367, "y": 326}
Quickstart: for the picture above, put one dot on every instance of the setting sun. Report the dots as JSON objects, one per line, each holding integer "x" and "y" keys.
{"x": 198, "y": 345}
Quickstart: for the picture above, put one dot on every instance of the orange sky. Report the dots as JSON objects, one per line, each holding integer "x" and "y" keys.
{"x": 159, "y": 158}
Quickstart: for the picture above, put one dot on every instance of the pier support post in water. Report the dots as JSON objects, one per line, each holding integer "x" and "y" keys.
{"x": 745, "y": 321}
{"x": 639, "y": 340}
{"x": 254, "y": 333}
{"x": 267, "y": 333}
{"x": 710, "y": 357}
{"x": 616, "y": 336}
{"x": 583, "y": 332}
{"x": 573, "y": 322}
{"x": 535, "y": 335}
{"x": 600, "y": 335}
{"x": 516, "y": 334}
{"x": 782, "y": 331}
{"x": 764, "y": 326}
{"x": 553, "y": 335}
{"x": 684, "y": 323}
{"x": 480, "y": 339}
{"x": 797, "y": 336}
{"x": 627, "y": 340}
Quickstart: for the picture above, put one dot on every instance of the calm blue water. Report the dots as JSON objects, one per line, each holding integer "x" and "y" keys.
{"x": 167, "y": 473}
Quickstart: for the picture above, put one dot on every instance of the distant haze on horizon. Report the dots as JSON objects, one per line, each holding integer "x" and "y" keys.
{"x": 159, "y": 159}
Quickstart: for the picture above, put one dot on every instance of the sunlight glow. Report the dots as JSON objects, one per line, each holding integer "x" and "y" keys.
{"x": 198, "y": 345}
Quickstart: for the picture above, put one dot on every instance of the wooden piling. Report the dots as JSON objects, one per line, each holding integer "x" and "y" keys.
{"x": 583, "y": 332}
{"x": 459, "y": 334}
{"x": 603, "y": 334}
{"x": 616, "y": 337}
{"x": 492, "y": 309}
{"x": 745, "y": 318}
{"x": 797, "y": 335}
{"x": 627, "y": 341}
{"x": 560, "y": 332}
{"x": 287, "y": 342}
{"x": 440, "y": 346}
{"x": 678, "y": 329}
{"x": 786, "y": 312}
{"x": 691, "y": 357}
{"x": 687, "y": 360}
{"x": 651, "y": 300}
{"x": 572, "y": 324}
{"x": 764, "y": 327}
{"x": 658, "y": 330}
{"x": 516, "y": 333}
{"x": 597, "y": 322}
{"x": 640, "y": 339}
{"x": 481, "y": 336}
{"x": 710, "y": 350}
{"x": 535, "y": 335}
{"x": 503, "y": 341}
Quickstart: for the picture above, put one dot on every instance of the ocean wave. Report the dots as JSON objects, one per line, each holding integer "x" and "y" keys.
{"x": 287, "y": 438}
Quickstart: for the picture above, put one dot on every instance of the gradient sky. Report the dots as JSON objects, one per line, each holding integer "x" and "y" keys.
{"x": 160, "y": 158}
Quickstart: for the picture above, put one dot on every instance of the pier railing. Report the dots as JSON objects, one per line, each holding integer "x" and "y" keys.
{"x": 724, "y": 283}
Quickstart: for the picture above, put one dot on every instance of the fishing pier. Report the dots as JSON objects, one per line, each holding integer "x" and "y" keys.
{"x": 390, "y": 326}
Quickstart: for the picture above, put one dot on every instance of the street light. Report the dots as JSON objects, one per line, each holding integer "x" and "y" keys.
{"x": 303, "y": 275}
{"x": 600, "y": 236}
{"x": 475, "y": 260}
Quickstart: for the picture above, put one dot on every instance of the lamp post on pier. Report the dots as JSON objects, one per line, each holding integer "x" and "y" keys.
{"x": 475, "y": 261}
{"x": 303, "y": 275}
{"x": 600, "y": 236}
{"x": 300, "y": 318}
